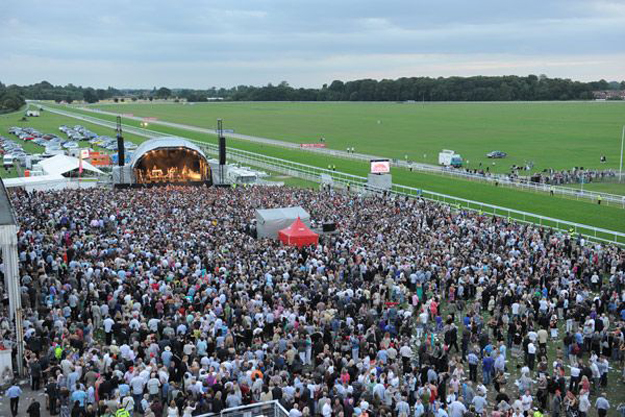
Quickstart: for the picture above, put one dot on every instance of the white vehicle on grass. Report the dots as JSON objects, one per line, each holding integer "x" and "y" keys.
{"x": 449, "y": 158}
{"x": 70, "y": 145}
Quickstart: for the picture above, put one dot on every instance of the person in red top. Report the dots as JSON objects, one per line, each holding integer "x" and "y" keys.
{"x": 433, "y": 393}
{"x": 434, "y": 308}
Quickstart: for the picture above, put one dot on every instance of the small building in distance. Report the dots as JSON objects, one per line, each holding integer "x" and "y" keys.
{"x": 32, "y": 113}
{"x": 609, "y": 95}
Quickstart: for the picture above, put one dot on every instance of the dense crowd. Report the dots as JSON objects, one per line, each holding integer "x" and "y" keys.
{"x": 159, "y": 302}
{"x": 550, "y": 177}
{"x": 575, "y": 176}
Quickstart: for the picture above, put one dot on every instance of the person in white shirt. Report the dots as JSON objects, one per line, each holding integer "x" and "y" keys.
{"x": 108, "y": 329}
{"x": 153, "y": 385}
{"x": 526, "y": 401}
{"x": 584, "y": 404}
{"x": 531, "y": 355}
{"x": 137, "y": 384}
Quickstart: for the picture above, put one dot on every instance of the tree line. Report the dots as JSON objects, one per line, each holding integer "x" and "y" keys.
{"x": 479, "y": 88}
{"x": 10, "y": 99}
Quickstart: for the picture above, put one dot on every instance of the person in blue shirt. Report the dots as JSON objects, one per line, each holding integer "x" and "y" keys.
{"x": 14, "y": 393}
{"x": 79, "y": 395}
{"x": 123, "y": 389}
{"x": 487, "y": 369}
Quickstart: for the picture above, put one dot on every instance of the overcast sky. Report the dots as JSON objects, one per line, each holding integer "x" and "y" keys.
{"x": 199, "y": 44}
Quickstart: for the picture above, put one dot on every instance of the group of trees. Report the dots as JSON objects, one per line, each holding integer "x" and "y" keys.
{"x": 503, "y": 88}
{"x": 10, "y": 99}
{"x": 500, "y": 88}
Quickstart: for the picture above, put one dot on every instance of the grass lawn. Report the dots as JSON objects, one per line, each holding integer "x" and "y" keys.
{"x": 10, "y": 173}
{"x": 577, "y": 211}
{"x": 602, "y": 187}
{"x": 293, "y": 181}
{"x": 557, "y": 135}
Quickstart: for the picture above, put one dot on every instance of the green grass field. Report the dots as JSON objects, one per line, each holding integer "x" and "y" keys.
{"x": 539, "y": 203}
{"x": 602, "y": 187}
{"x": 557, "y": 135}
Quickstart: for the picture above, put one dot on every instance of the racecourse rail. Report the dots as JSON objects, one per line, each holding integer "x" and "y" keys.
{"x": 359, "y": 184}
{"x": 501, "y": 180}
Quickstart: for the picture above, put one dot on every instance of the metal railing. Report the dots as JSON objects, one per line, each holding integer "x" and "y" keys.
{"x": 265, "y": 409}
{"x": 359, "y": 184}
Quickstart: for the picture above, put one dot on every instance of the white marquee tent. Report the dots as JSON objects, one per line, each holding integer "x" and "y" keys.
{"x": 53, "y": 179}
{"x": 270, "y": 221}
{"x": 62, "y": 164}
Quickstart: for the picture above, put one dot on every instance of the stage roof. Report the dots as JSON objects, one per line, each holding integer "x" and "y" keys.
{"x": 168, "y": 142}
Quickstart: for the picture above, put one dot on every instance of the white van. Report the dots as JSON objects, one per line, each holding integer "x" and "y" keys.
{"x": 8, "y": 161}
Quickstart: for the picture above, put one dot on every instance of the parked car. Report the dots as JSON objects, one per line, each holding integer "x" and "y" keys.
{"x": 496, "y": 154}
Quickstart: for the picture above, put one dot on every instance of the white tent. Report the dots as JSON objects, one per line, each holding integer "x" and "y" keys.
{"x": 62, "y": 164}
{"x": 270, "y": 221}
{"x": 39, "y": 182}
{"x": 49, "y": 182}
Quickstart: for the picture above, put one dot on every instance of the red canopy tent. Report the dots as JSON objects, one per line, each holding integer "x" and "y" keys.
{"x": 298, "y": 234}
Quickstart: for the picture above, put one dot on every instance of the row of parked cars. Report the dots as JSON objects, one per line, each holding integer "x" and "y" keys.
{"x": 109, "y": 143}
{"x": 11, "y": 152}
{"x": 51, "y": 142}
{"x": 55, "y": 144}
{"x": 80, "y": 133}
{"x": 77, "y": 133}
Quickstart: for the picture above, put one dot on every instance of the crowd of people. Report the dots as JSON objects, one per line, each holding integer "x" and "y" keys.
{"x": 550, "y": 177}
{"x": 575, "y": 176}
{"x": 158, "y": 302}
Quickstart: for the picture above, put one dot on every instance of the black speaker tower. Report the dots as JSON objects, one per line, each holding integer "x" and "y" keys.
{"x": 121, "y": 157}
{"x": 222, "y": 151}
{"x": 222, "y": 142}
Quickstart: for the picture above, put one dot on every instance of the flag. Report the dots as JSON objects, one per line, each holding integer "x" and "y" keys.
{"x": 80, "y": 164}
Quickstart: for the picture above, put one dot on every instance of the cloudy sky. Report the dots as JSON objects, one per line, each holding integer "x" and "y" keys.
{"x": 199, "y": 44}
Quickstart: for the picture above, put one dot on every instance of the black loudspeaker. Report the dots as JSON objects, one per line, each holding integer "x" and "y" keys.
{"x": 329, "y": 227}
{"x": 120, "y": 151}
{"x": 222, "y": 151}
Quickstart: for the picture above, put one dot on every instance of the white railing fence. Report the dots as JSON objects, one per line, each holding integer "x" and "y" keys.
{"x": 359, "y": 184}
